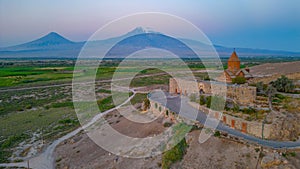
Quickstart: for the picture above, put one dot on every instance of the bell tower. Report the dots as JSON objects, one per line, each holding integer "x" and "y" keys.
{"x": 234, "y": 63}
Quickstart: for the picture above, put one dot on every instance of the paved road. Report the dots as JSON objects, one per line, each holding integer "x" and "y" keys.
{"x": 174, "y": 103}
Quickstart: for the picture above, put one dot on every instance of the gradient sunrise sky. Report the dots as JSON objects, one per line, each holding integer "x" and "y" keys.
{"x": 268, "y": 24}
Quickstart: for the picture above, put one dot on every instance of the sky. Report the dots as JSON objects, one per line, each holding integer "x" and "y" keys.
{"x": 267, "y": 24}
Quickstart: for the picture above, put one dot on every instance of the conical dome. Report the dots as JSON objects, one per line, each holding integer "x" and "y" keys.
{"x": 234, "y": 63}
{"x": 233, "y": 57}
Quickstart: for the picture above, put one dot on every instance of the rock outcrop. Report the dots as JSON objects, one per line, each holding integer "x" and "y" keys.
{"x": 286, "y": 128}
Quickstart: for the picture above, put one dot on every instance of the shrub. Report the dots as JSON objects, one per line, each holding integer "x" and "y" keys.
{"x": 280, "y": 96}
{"x": 293, "y": 154}
{"x": 166, "y": 124}
{"x": 249, "y": 110}
{"x": 202, "y": 100}
{"x": 283, "y": 84}
{"x": 174, "y": 154}
{"x": 13, "y": 140}
{"x": 217, "y": 103}
{"x": 236, "y": 108}
{"x": 239, "y": 80}
{"x": 146, "y": 104}
{"x": 193, "y": 97}
{"x": 217, "y": 134}
{"x": 206, "y": 78}
{"x": 28, "y": 106}
{"x": 208, "y": 101}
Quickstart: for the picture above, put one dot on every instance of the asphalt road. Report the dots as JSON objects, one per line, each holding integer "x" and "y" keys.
{"x": 174, "y": 103}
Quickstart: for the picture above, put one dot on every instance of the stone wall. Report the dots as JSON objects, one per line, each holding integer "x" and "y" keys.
{"x": 160, "y": 110}
{"x": 249, "y": 127}
{"x": 241, "y": 94}
{"x": 181, "y": 86}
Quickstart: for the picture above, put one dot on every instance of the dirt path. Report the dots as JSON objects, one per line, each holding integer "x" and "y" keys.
{"x": 70, "y": 84}
{"x": 97, "y": 81}
{"x": 46, "y": 159}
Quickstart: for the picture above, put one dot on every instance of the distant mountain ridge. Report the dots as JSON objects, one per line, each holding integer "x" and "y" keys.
{"x": 53, "y": 45}
{"x": 51, "y": 39}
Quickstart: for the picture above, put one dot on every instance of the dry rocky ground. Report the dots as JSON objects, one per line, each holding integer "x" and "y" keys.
{"x": 276, "y": 68}
{"x": 271, "y": 71}
{"x": 216, "y": 153}
{"x": 81, "y": 152}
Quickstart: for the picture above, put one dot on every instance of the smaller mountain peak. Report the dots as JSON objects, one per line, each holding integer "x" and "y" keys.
{"x": 51, "y": 38}
{"x": 53, "y": 34}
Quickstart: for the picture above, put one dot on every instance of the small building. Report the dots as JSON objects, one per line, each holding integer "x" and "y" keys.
{"x": 234, "y": 70}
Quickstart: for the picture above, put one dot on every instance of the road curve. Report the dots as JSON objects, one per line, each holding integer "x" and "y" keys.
{"x": 46, "y": 159}
{"x": 180, "y": 106}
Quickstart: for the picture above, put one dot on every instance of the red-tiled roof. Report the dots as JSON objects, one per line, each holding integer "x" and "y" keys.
{"x": 234, "y": 57}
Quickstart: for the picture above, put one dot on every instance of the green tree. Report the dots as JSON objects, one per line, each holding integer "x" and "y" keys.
{"x": 208, "y": 101}
{"x": 283, "y": 84}
{"x": 202, "y": 100}
{"x": 271, "y": 92}
{"x": 175, "y": 154}
{"x": 260, "y": 87}
{"x": 146, "y": 104}
{"x": 239, "y": 80}
{"x": 236, "y": 108}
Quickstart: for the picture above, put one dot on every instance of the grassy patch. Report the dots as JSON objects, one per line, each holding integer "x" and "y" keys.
{"x": 62, "y": 104}
{"x": 19, "y": 127}
{"x": 292, "y": 105}
{"x": 147, "y": 81}
{"x": 173, "y": 155}
{"x": 17, "y": 75}
{"x": 138, "y": 98}
{"x": 18, "y": 123}
{"x": 108, "y": 102}
{"x": 13, "y": 140}
{"x": 21, "y": 100}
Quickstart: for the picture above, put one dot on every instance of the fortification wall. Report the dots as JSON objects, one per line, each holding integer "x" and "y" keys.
{"x": 249, "y": 127}
{"x": 242, "y": 94}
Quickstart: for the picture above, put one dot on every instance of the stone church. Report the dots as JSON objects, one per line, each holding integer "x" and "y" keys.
{"x": 234, "y": 70}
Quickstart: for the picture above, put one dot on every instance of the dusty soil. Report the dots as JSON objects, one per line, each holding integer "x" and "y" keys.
{"x": 218, "y": 153}
{"x": 275, "y": 68}
{"x": 81, "y": 152}
{"x": 221, "y": 153}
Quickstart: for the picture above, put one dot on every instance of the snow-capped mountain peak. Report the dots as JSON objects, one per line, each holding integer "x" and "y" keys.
{"x": 141, "y": 30}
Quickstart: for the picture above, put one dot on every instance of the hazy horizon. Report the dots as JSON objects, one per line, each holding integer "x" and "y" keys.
{"x": 269, "y": 24}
